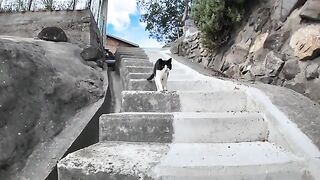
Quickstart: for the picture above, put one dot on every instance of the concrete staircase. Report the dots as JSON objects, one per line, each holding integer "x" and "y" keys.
{"x": 202, "y": 129}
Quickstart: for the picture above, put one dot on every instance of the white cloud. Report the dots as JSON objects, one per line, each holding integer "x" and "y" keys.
{"x": 119, "y": 12}
{"x": 150, "y": 43}
{"x": 143, "y": 24}
{"x": 123, "y": 15}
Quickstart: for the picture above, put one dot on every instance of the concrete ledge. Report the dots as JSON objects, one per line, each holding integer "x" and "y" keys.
{"x": 139, "y": 69}
{"x": 112, "y": 160}
{"x": 150, "y": 101}
{"x": 140, "y": 85}
{"x": 183, "y": 127}
{"x": 133, "y": 59}
{"x": 193, "y": 101}
{"x": 136, "y": 127}
{"x": 138, "y": 63}
{"x": 133, "y": 55}
{"x": 172, "y": 77}
{"x": 219, "y": 101}
{"x": 219, "y": 127}
{"x": 142, "y": 76}
{"x": 173, "y": 85}
{"x": 234, "y": 161}
{"x": 229, "y": 161}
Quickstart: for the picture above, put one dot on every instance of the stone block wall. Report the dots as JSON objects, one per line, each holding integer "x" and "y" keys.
{"x": 79, "y": 25}
{"x": 279, "y": 44}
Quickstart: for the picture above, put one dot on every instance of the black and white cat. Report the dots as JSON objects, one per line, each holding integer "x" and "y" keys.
{"x": 161, "y": 73}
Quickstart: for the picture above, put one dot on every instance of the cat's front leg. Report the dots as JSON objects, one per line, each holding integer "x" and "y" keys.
{"x": 158, "y": 84}
{"x": 165, "y": 81}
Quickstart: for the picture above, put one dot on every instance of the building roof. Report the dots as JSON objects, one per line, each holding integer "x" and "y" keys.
{"x": 123, "y": 40}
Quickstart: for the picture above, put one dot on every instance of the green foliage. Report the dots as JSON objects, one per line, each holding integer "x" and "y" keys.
{"x": 48, "y": 5}
{"x": 216, "y": 18}
{"x": 21, "y": 5}
{"x": 162, "y": 18}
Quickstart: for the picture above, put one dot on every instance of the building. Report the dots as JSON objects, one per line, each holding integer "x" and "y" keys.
{"x": 114, "y": 42}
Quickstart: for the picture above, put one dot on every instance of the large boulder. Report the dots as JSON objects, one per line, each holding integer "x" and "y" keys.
{"x": 259, "y": 42}
{"x": 276, "y": 40}
{"x": 273, "y": 63}
{"x": 237, "y": 55}
{"x": 55, "y": 34}
{"x": 290, "y": 69}
{"x": 312, "y": 71}
{"x": 306, "y": 42}
{"x": 311, "y": 10}
{"x": 313, "y": 89}
{"x": 91, "y": 53}
{"x": 42, "y": 86}
{"x": 288, "y": 6}
{"x": 260, "y": 18}
{"x": 299, "y": 87}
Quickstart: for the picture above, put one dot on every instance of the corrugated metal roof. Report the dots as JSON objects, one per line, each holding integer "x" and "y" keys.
{"x": 123, "y": 40}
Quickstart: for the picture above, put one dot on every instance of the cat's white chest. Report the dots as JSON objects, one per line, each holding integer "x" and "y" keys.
{"x": 161, "y": 78}
{"x": 162, "y": 73}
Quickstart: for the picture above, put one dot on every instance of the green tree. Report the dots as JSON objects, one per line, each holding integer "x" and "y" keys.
{"x": 163, "y": 18}
{"x": 216, "y": 19}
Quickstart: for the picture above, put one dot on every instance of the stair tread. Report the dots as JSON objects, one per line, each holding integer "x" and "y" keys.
{"x": 181, "y": 154}
{"x": 189, "y": 114}
{"x": 184, "y": 127}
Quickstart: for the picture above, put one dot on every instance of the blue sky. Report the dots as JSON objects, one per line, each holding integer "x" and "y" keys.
{"x": 123, "y": 22}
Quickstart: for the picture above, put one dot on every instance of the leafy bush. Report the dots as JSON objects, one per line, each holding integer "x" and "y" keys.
{"x": 216, "y": 18}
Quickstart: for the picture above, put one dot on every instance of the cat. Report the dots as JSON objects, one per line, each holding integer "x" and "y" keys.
{"x": 161, "y": 73}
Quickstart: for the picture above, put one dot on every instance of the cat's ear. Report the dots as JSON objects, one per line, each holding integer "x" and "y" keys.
{"x": 169, "y": 60}
{"x": 160, "y": 59}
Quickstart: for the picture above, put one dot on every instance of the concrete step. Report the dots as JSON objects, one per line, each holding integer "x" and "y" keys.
{"x": 229, "y": 161}
{"x": 125, "y": 49}
{"x": 171, "y": 76}
{"x": 192, "y": 101}
{"x": 136, "y": 56}
{"x": 129, "y": 51}
{"x": 225, "y": 161}
{"x": 134, "y": 59}
{"x": 139, "y": 69}
{"x": 144, "y": 69}
{"x": 183, "y": 127}
{"x": 138, "y": 63}
{"x": 173, "y": 85}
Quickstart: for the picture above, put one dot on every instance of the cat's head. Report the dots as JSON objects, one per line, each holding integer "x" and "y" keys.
{"x": 167, "y": 62}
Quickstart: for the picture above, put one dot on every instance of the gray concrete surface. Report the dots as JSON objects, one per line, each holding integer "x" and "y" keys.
{"x": 112, "y": 161}
{"x": 183, "y": 127}
{"x": 124, "y": 160}
{"x": 79, "y": 26}
{"x": 150, "y": 101}
{"x": 231, "y": 132}
{"x": 136, "y": 127}
{"x": 193, "y": 101}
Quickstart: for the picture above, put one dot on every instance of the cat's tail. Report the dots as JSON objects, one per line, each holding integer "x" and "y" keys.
{"x": 151, "y": 77}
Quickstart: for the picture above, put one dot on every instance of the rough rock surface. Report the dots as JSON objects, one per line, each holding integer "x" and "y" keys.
{"x": 311, "y": 10}
{"x": 306, "y": 42}
{"x": 55, "y": 34}
{"x": 91, "y": 53}
{"x": 267, "y": 46}
{"x": 42, "y": 85}
{"x": 288, "y": 6}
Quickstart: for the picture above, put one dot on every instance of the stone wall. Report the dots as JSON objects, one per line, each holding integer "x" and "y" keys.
{"x": 79, "y": 25}
{"x": 279, "y": 43}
